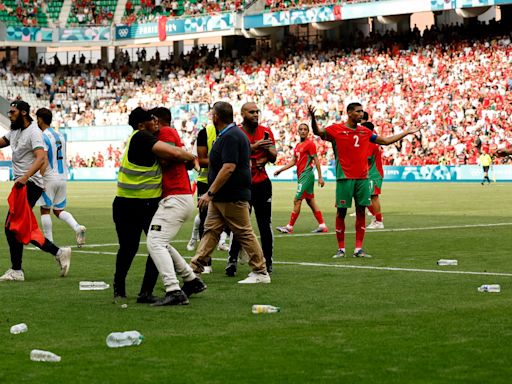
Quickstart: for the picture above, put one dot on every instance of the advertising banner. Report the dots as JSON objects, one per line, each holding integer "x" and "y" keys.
{"x": 428, "y": 173}
{"x": 85, "y": 34}
{"x": 219, "y": 22}
{"x": 35, "y": 34}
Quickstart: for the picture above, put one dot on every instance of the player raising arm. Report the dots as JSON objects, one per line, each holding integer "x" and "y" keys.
{"x": 351, "y": 143}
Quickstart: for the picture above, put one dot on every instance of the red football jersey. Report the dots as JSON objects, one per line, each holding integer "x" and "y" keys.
{"x": 304, "y": 153}
{"x": 351, "y": 147}
{"x": 175, "y": 180}
{"x": 258, "y": 174}
{"x": 375, "y": 162}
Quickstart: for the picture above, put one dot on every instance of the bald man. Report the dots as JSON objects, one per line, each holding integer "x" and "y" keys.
{"x": 263, "y": 150}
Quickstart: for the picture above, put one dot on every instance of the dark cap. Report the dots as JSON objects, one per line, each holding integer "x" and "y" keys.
{"x": 137, "y": 116}
{"x": 21, "y": 105}
{"x": 368, "y": 125}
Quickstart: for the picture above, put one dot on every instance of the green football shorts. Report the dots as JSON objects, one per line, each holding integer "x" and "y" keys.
{"x": 357, "y": 189}
{"x": 306, "y": 186}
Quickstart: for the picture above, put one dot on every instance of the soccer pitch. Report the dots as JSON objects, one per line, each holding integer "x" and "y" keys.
{"x": 396, "y": 318}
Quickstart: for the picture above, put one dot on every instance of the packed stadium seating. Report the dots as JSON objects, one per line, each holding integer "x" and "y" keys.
{"x": 460, "y": 91}
{"x": 139, "y": 11}
{"x": 92, "y": 12}
{"x": 30, "y": 12}
{"x": 277, "y": 5}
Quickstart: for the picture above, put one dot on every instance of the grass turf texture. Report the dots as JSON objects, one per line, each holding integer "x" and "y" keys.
{"x": 336, "y": 324}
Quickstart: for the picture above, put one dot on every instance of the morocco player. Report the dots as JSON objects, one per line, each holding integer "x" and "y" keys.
{"x": 304, "y": 156}
{"x": 376, "y": 175}
{"x": 351, "y": 143}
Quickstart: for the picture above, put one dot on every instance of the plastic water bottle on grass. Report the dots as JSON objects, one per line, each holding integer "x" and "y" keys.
{"x": 39, "y": 355}
{"x": 124, "y": 339}
{"x": 19, "y": 328}
{"x": 494, "y": 288}
{"x": 443, "y": 262}
{"x": 260, "y": 308}
{"x": 93, "y": 285}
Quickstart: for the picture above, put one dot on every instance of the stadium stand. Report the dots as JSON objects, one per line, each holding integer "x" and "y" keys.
{"x": 92, "y": 12}
{"x": 30, "y": 12}
{"x": 140, "y": 11}
{"x": 279, "y": 5}
{"x": 460, "y": 90}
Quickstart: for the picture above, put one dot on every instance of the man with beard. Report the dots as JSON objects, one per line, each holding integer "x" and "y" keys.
{"x": 228, "y": 196}
{"x": 263, "y": 150}
{"x": 28, "y": 156}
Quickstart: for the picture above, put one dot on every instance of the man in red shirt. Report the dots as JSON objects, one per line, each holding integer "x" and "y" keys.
{"x": 263, "y": 150}
{"x": 174, "y": 209}
{"x": 304, "y": 155}
{"x": 351, "y": 143}
{"x": 376, "y": 176}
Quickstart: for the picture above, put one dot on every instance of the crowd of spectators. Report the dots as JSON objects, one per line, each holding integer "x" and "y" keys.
{"x": 88, "y": 12}
{"x": 281, "y": 5}
{"x": 22, "y": 12}
{"x": 151, "y": 10}
{"x": 457, "y": 87}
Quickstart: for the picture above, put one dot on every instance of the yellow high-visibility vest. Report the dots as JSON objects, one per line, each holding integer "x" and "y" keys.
{"x": 211, "y": 135}
{"x": 137, "y": 181}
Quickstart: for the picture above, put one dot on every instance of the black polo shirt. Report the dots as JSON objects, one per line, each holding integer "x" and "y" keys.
{"x": 231, "y": 146}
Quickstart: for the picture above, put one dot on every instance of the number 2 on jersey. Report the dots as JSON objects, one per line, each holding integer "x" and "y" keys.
{"x": 59, "y": 150}
{"x": 356, "y": 141}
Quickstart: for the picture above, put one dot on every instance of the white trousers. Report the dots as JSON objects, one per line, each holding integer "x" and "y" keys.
{"x": 172, "y": 212}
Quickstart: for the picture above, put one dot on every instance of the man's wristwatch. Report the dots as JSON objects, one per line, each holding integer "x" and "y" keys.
{"x": 210, "y": 193}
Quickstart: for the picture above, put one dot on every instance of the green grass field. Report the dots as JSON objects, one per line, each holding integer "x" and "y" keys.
{"x": 396, "y": 318}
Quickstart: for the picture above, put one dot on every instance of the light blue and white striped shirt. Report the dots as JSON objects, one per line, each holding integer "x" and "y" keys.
{"x": 55, "y": 146}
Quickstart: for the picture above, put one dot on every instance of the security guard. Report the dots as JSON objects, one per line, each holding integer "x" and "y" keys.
{"x": 139, "y": 189}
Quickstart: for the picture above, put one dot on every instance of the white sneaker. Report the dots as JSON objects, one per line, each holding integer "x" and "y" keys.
{"x": 13, "y": 275}
{"x": 243, "y": 257}
{"x": 223, "y": 247}
{"x": 368, "y": 213}
{"x": 80, "y": 236}
{"x": 64, "y": 260}
{"x": 191, "y": 246}
{"x": 208, "y": 269}
{"x": 256, "y": 278}
{"x": 375, "y": 225}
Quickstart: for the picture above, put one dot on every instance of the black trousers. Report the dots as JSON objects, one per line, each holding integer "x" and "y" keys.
{"x": 202, "y": 188}
{"x": 261, "y": 202}
{"x": 132, "y": 217}
{"x": 15, "y": 247}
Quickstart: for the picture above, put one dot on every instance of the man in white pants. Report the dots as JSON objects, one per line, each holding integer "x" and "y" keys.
{"x": 55, "y": 177}
{"x": 174, "y": 209}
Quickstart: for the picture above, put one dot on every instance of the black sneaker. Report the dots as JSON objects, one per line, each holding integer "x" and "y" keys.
{"x": 146, "y": 298}
{"x": 172, "y": 298}
{"x": 231, "y": 269}
{"x": 119, "y": 295}
{"x": 193, "y": 286}
{"x": 118, "y": 299}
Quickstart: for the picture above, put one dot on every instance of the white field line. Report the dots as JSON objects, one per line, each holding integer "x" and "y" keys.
{"x": 331, "y": 233}
{"x": 346, "y": 266}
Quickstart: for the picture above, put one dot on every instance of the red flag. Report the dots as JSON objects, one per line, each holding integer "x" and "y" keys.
{"x": 162, "y": 30}
{"x": 337, "y": 12}
{"x": 21, "y": 219}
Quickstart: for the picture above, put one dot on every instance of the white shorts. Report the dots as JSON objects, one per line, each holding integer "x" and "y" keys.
{"x": 54, "y": 195}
